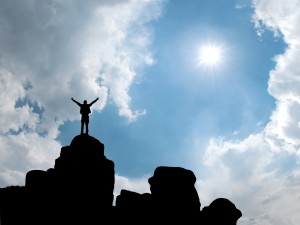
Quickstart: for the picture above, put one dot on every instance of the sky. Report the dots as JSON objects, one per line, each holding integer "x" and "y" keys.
{"x": 212, "y": 86}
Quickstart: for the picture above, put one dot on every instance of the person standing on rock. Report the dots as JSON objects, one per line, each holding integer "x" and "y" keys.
{"x": 85, "y": 111}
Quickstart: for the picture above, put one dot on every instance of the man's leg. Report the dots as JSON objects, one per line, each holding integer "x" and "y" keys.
{"x": 82, "y": 124}
{"x": 87, "y": 125}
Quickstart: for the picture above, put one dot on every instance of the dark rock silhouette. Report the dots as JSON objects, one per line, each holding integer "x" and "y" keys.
{"x": 173, "y": 188}
{"x": 220, "y": 211}
{"x": 173, "y": 198}
{"x": 79, "y": 190}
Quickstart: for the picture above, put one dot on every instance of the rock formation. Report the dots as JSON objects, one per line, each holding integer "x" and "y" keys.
{"x": 79, "y": 190}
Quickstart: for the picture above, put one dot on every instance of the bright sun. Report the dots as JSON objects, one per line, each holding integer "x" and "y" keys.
{"x": 210, "y": 55}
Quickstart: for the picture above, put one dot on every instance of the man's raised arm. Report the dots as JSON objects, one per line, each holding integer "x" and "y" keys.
{"x": 75, "y": 101}
{"x": 93, "y": 101}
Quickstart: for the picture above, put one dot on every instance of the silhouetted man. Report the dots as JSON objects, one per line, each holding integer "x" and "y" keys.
{"x": 85, "y": 111}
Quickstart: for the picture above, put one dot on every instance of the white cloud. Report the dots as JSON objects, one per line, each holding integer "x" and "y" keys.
{"x": 23, "y": 152}
{"x": 54, "y": 50}
{"x": 260, "y": 182}
{"x": 284, "y": 84}
{"x": 11, "y": 90}
{"x": 279, "y": 17}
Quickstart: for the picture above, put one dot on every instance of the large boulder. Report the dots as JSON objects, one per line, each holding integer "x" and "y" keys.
{"x": 173, "y": 188}
{"x": 220, "y": 211}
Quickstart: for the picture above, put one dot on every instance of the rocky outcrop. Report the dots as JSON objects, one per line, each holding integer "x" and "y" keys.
{"x": 79, "y": 190}
{"x": 220, "y": 211}
{"x": 174, "y": 199}
{"x": 173, "y": 188}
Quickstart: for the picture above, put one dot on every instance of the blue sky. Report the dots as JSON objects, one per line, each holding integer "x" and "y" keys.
{"x": 233, "y": 121}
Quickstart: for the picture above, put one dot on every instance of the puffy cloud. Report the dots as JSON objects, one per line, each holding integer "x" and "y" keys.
{"x": 259, "y": 181}
{"x": 54, "y": 50}
{"x": 23, "y": 152}
{"x": 283, "y": 129}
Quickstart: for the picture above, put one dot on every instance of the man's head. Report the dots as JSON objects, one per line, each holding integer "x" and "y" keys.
{"x": 84, "y": 102}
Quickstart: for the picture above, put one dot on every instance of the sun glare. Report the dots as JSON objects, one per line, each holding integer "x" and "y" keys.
{"x": 210, "y": 55}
